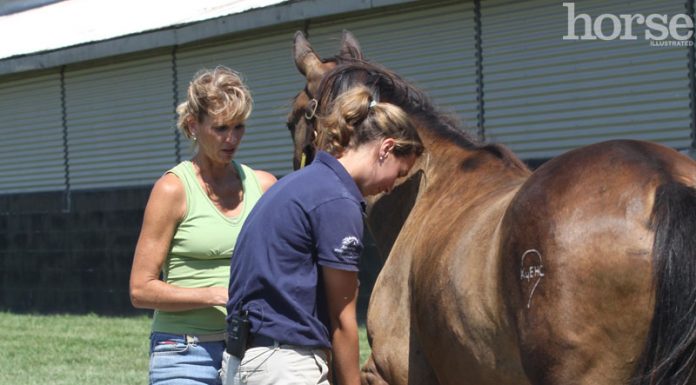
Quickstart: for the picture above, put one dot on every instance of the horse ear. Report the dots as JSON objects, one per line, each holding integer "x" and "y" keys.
{"x": 306, "y": 59}
{"x": 350, "y": 48}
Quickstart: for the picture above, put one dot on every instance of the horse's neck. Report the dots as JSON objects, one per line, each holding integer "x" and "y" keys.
{"x": 469, "y": 176}
{"x": 451, "y": 178}
{"x": 387, "y": 213}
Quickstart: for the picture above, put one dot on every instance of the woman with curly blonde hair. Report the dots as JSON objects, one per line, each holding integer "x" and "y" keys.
{"x": 190, "y": 228}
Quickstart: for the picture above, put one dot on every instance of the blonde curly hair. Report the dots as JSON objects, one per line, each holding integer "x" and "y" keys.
{"x": 219, "y": 93}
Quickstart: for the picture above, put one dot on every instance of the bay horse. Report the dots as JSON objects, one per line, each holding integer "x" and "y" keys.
{"x": 581, "y": 272}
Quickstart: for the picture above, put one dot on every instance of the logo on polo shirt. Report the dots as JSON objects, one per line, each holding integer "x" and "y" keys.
{"x": 350, "y": 247}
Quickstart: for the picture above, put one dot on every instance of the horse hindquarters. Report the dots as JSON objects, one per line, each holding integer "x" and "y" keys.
{"x": 579, "y": 270}
{"x": 670, "y": 353}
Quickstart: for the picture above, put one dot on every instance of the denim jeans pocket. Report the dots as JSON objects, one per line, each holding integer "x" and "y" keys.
{"x": 161, "y": 343}
{"x": 173, "y": 361}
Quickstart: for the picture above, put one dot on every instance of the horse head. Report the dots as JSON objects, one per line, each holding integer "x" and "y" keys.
{"x": 302, "y": 117}
{"x": 325, "y": 80}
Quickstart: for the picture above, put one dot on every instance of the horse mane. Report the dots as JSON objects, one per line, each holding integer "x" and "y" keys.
{"x": 389, "y": 87}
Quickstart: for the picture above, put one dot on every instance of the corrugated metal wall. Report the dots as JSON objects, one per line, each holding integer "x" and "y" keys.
{"x": 31, "y": 134}
{"x": 433, "y": 47}
{"x": 120, "y": 122}
{"x": 545, "y": 95}
{"x": 266, "y": 62}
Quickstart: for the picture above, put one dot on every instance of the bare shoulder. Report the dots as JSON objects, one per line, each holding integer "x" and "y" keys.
{"x": 168, "y": 194}
{"x": 169, "y": 186}
{"x": 266, "y": 179}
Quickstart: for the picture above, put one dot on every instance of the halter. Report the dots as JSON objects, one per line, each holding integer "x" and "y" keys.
{"x": 314, "y": 103}
{"x": 310, "y": 114}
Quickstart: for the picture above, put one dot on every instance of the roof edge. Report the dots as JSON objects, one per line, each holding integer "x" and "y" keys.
{"x": 292, "y": 11}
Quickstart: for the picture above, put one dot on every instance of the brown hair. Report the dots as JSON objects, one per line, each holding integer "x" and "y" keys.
{"x": 218, "y": 93}
{"x": 354, "y": 118}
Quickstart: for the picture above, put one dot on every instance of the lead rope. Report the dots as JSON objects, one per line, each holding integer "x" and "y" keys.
{"x": 303, "y": 161}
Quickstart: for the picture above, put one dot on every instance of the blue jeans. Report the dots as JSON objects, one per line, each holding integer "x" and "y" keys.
{"x": 174, "y": 362}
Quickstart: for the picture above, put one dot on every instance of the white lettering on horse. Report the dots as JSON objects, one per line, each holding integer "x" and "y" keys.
{"x": 535, "y": 270}
{"x": 532, "y": 272}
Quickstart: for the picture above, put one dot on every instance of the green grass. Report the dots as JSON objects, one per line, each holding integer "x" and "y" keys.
{"x": 70, "y": 350}
{"x": 74, "y": 350}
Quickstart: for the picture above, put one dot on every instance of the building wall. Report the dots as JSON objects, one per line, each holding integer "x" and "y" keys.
{"x": 84, "y": 143}
{"x": 76, "y": 260}
{"x": 545, "y": 95}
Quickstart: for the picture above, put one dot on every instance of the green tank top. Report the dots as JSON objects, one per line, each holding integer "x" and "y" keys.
{"x": 201, "y": 249}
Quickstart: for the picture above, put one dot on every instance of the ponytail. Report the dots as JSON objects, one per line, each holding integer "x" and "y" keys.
{"x": 355, "y": 118}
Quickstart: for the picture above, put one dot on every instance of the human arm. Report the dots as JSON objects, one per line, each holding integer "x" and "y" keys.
{"x": 165, "y": 209}
{"x": 337, "y": 227}
{"x": 341, "y": 294}
{"x": 266, "y": 179}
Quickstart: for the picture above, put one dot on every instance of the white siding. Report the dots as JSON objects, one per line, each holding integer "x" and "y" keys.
{"x": 545, "y": 95}
{"x": 31, "y": 148}
{"x": 542, "y": 95}
{"x": 431, "y": 46}
{"x": 120, "y": 122}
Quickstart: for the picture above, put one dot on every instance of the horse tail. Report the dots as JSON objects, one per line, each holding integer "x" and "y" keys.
{"x": 669, "y": 356}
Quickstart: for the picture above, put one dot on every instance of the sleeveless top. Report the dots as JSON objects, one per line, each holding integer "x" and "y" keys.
{"x": 200, "y": 251}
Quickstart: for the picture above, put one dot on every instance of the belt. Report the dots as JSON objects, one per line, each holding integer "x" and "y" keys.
{"x": 213, "y": 337}
{"x": 259, "y": 340}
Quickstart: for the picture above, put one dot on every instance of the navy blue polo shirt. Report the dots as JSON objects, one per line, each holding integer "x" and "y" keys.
{"x": 308, "y": 219}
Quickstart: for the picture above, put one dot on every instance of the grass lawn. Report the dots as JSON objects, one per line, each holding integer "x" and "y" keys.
{"x": 84, "y": 349}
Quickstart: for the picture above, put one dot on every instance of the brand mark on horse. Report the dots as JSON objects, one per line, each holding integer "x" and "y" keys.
{"x": 532, "y": 271}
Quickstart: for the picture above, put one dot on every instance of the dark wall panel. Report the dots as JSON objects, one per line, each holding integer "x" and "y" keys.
{"x": 78, "y": 260}
{"x": 73, "y": 259}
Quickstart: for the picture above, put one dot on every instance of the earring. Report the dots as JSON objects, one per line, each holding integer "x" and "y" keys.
{"x": 195, "y": 139}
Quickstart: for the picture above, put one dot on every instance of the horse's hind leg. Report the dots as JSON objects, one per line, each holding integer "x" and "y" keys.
{"x": 370, "y": 375}
{"x": 397, "y": 362}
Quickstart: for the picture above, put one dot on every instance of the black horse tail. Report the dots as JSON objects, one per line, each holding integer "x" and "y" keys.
{"x": 669, "y": 356}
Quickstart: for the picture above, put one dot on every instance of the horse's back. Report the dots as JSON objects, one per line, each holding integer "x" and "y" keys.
{"x": 578, "y": 245}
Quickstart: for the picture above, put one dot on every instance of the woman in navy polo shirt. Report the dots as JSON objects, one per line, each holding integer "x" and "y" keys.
{"x": 296, "y": 260}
